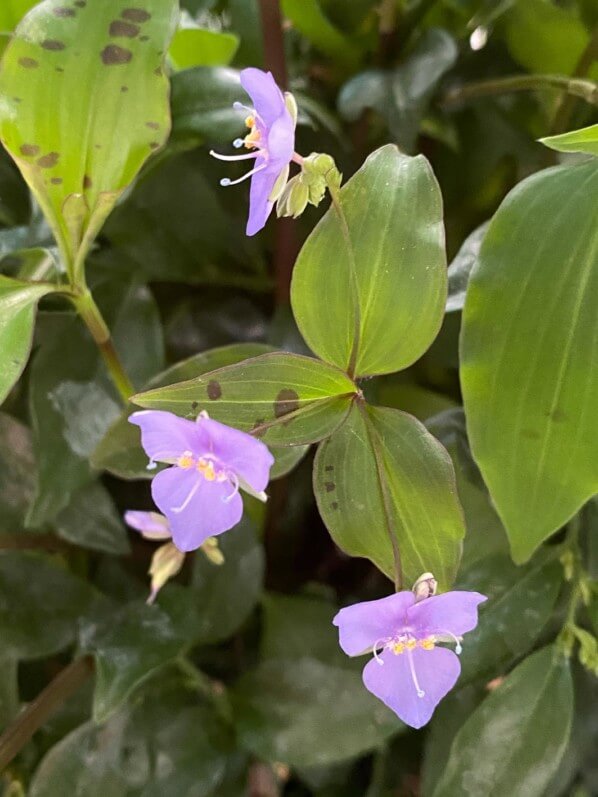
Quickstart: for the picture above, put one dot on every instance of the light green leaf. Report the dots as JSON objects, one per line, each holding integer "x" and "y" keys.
{"x": 66, "y": 156}
{"x": 202, "y": 47}
{"x": 40, "y": 605}
{"x": 282, "y": 398}
{"x": 393, "y": 243}
{"x": 12, "y": 11}
{"x": 129, "y": 646}
{"x": 584, "y": 140}
{"x": 304, "y": 713}
{"x": 220, "y": 597}
{"x": 17, "y": 473}
{"x": 91, "y": 521}
{"x": 382, "y": 478}
{"x": 308, "y": 19}
{"x": 514, "y": 742}
{"x": 18, "y": 302}
{"x": 529, "y": 348}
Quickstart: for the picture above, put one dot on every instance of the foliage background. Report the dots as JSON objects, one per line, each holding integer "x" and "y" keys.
{"x": 233, "y": 684}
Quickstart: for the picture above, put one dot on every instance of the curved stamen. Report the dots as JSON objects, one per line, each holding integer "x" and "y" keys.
{"x": 379, "y": 643}
{"x": 245, "y": 157}
{"x": 226, "y": 181}
{"x": 238, "y": 106}
{"x": 168, "y": 457}
{"x": 185, "y": 503}
{"x": 238, "y": 143}
{"x": 418, "y": 689}
{"x": 456, "y": 640}
{"x": 235, "y": 483}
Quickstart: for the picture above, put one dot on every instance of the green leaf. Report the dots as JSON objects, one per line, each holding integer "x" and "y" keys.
{"x": 308, "y": 19}
{"x": 520, "y": 603}
{"x": 12, "y": 11}
{"x": 202, "y": 104}
{"x": 72, "y": 401}
{"x": 40, "y": 605}
{"x": 282, "y": 398}
{"x": 17, "y": 473}
{"x": 530, "y": 715}
{"x": 18, "y": 302}
{"x": 584, "y": 140}
{"x": 66, "y": 156}
{"x": 304, "y": 713}
{"x": 196, "y": 46}
{"x": 129, "y": 646}
{"x": 382, "y": 477}
{"x": 529, "y": 348}
{"x": 91, "y": 521}
{"x": 460, "y": 268}
{"x": 9, "y": 689}
{"x": 401, "y": 96}
{"x": 393, "y": 243}
{"x": 220, "y": 597}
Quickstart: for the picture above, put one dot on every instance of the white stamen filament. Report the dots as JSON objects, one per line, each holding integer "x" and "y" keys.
{"x": 379, "y": 643}
{"x": 235, "y": 483}
{"x": 226, "y": 181}
{"x": 418, "y": 689}
{"x": 443, "y": 632}
{"x": 246, "y": 157}
{"x": 185, "y": 503}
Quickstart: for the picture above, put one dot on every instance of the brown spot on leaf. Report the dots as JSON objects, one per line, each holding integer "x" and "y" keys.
{"x": 214, "y": 390}
{"x": 530, "y": 434}
{"x": 158, "y": 71}
{"x": 48, "y": 161}
{"x": 87, "y": 181}
{"x": 329, "y": 468}
{"x": 136, "y": 15}
{"x": 28, "y": 63}
{"x": 56, "y": 180}
{"x": 152, "y": 125}
{"x": 113, "y": 54}
{"x": 334, "y": 505}
{"x": 330, "y": 487}
{"x": 97, "y": 146}
{"x": 194, "y": 405}
{"x": 53, "y": 44}
{"x": 80, "y": 3}
{"x": 126, "y": 29}
{"x": 58, "y": 69}
{"x": 286, "y": 401}
{"x": 144, "y": 38}
{"x": 557, "y": 415}
{"x": 62, "y": 11}
{"x": 124, "y": 89}
{"x": 29, "y": 150}
{"x": 17, "y": 99}
{"x": 154, "y": 145}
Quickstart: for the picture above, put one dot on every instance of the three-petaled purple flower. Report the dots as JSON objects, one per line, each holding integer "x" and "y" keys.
{"x": 272, "y": 143}
{"x": 200, "y": 494}
{"x": 409, "y": 671}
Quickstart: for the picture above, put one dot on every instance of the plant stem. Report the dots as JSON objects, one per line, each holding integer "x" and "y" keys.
{"x": 585, "y": 89}
{"x": 567, "y": 104}
{"x": 91, "y": 315}
{"x": 20, "y": 731}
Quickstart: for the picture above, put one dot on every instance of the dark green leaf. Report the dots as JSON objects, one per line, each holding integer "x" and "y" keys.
{"x": 129, "y": 646}
{"x": 9, "y": 690}
{"x": 40, "y": 605}
{"x": 281, "y": 398}
{"x": 91, "y": 520}
{"x": 460, "y": 268}
{"x": 305, "y": 713}
{"x": 385, "y": 321}
{"x": 529, "y": 382}
{"x": 18, "y": 302}
{"x": 307, "y": 17}
{"x": 513, "y": 743}
{"x": 17, "y": 473}
{"x": 382, "y": 476}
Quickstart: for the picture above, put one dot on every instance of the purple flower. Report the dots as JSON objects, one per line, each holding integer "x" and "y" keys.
{"x": 200, "y": 494}
{"x": 409, "y": 671}
{"x": 271, "y": 140}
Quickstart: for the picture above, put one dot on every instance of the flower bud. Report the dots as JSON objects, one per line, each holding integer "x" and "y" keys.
{"x": 294, "y": 198}
{"x": 167, "y": 561}
{"x": 321, "y": 165}
{"x": 212, "y": 551}
{"x": 291, "y": 104}
{"x": 425, "y": 587}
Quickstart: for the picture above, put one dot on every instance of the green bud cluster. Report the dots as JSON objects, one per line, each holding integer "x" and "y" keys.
{"x": 318, "y": 172}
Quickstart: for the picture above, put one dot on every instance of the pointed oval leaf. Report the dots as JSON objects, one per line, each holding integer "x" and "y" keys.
{"x": 382, "y": 475}
{"x": 584, "y": 140}
{"x": 391, "y": 237}
{"x": 529, "y": 350}
{"x": 18, "y": 302}
{"x": 98, "y": 66}
{"x": 284, "y": 399}
{"x": 514, "y": 741}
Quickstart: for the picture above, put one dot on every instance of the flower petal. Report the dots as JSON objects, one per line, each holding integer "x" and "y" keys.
{"x": 455, "y": 612}
{"x": 260, "y": 206}
{"x": 363, "y": 624}
{"x": 165, "y": 436}
{"x": 281, "y": 142}
{"x": 152, "y": 525}
{"x": 266, "y": 97}
{"x": 249, "y": 458}
{"x": 392, "y": 682}
{"x": 210, "y": 511}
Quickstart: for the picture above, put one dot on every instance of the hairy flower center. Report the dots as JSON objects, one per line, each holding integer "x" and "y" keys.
{"x": 407, "y": 642}
{"x": 204, "y": 465}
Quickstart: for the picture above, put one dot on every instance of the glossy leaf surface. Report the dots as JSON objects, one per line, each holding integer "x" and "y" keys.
{"x": 584, "y": 140}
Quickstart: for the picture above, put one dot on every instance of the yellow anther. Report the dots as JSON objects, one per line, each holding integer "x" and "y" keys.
{"x": 186, "y": 461}
{"x": 398, "y": 647}
{"x": 252, "y": 139}
{"x": 250, "y": 122}
{"x": 206, "y": 468}
{"x": 427, "y": 644}
{"x": 411, "y": 644}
